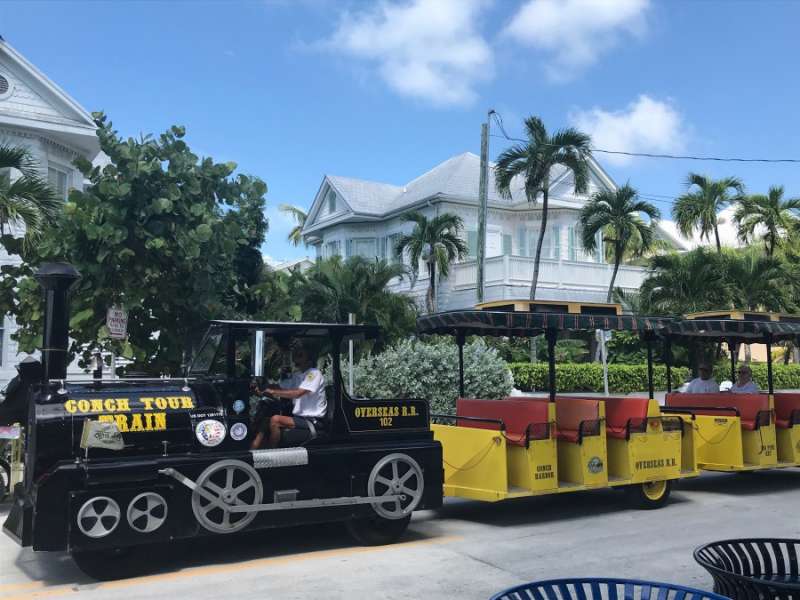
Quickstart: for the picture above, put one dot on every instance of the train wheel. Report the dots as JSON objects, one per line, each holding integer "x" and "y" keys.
{"x": 649, "y": 495}
{"x": 377, "y": 531}
{"x": 5, "y": 480}
{"x": 108, "y": 564}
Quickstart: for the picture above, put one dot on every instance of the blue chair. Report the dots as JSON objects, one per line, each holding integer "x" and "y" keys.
{"x": 603, "y": 589}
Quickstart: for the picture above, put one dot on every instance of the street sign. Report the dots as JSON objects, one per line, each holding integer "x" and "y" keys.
{"x": 117, "y": 322}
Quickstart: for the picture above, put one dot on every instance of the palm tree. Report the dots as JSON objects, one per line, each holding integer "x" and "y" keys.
{"x": 299, "y": 215}
{"x": 437, "y": 243}
{"x": 680, "y": 283}
{"x": 768, "y": 213}
{"x": 757, "y": 281}
{"x": 333, "y": 288}
{"x": 698, "y": 208}
{"x": 617, "y": 216}
{"x": 28, "y": 201}
{"x": 534, "y": 161}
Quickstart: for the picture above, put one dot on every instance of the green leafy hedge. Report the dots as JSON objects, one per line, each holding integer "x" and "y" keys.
{"x": 416, "y": 369}
{"x": 588, "y": 377}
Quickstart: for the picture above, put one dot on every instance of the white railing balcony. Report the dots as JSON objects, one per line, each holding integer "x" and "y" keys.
{"x": 553, "y": 273}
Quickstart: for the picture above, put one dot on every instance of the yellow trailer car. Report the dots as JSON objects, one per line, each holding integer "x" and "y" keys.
{"x": 738, "y": 432}
{"x": 526, "y": 446}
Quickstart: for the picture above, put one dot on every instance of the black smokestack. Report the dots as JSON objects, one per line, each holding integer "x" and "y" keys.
{"x": 56, "y": 279}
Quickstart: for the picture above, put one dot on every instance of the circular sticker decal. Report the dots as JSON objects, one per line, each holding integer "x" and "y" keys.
{"x": 595, "y": 464}
{"x": 238, "y": 431}
{"x": 210, "y": 432}
{"x": 238, "y": 407}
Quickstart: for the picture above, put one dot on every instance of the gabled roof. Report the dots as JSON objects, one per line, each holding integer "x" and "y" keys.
{"x": 456, "y": 178}
{"x": 366, "y": 197}
{"x": 39, "y": 103}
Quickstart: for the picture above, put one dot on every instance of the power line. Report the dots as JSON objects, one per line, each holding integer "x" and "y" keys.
{"x": 676, "y": 156}
{"x": 499, "y": 120}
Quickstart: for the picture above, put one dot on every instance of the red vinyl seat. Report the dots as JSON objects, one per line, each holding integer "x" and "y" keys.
{"x": 787, "y": 406}
{"x": 619, "y": 411}
{"x": 748, "y": 405}
{"x": 515, "y": 413}
{"x": 570, "y": 413}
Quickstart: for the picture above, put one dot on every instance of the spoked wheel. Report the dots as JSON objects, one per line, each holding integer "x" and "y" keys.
{"x": 220, "y": 487}
{"x": 649, "y": 495}
{"x": 399, "y": 478}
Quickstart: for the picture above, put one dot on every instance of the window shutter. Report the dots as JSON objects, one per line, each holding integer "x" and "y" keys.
{"x": 572, "y": 251}
{"x": 472, "y": 243}
{"x": 507, "y": 244}
{"x": 382, "y": 248}
{"x": 556, "y": 242}
{"x": 522, "y": 241}
{"x": 598, "y": 254}
{"x": 348, "y": 248}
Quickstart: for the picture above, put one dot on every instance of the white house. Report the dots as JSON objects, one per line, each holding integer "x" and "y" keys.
{"x": 351, "y": 217}
{"x": 39, "y": 115}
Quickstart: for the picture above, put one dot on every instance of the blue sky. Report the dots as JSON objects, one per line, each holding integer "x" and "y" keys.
{"x": 294, "y": 89}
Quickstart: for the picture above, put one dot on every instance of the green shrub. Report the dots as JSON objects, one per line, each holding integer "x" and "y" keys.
{"x": 415, "y": 369}
{"x": 588, "y": 377}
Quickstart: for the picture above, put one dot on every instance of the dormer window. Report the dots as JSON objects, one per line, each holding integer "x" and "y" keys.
{"x": 330, "y": 198}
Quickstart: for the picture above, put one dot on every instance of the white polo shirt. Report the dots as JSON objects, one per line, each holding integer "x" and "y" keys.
{"x": 748, "y": 388}
{"x": 702, "y": 386}
{"x": 312, "y": 403}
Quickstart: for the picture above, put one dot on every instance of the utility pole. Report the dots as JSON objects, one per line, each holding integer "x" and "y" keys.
{"x": 483, "y": 199}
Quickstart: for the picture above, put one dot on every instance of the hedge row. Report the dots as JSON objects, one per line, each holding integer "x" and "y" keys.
{"x": 588, "y": 377}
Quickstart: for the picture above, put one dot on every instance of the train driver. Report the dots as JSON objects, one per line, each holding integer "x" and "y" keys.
{"x": 744, "y": 381}
{"x": 705, "y": 383}
{"x": 306, "y": 389}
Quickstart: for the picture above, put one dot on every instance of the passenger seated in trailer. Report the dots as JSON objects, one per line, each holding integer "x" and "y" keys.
{"x": 744, "y": 382}
{"x": 306, "y": 389}
{"x": 704, "y": 384}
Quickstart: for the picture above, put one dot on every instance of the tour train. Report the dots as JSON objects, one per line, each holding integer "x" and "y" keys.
{"x": 115, "y": 464}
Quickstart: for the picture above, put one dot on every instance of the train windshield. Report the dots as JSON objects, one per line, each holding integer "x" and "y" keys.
{"x": 211, "y": 352}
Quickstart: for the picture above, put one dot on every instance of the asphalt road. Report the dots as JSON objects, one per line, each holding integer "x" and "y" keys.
{"x": 465, "y": 550}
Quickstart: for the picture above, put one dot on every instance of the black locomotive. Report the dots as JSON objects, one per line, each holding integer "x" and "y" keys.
{"x": 184, "y": 467}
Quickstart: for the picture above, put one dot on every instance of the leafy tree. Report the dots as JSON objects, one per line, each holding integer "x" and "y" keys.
{"x": 334, "y": 288}
{"x": 617, "y": 216}
{"x": 172, "y": 238}
{"x": 26, "y": 202}
{"x": 689, "y": 282}
{"x": 437, "y": 243}
{"x": 700, "y": 206}
{"x": 299, "y": 216}
{"x": 770, "y": 214}
{"x": 757, "y": 281}
{"x": 533, "y": 161}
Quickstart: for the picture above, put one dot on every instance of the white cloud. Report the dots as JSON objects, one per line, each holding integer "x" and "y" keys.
{"x": 425, "y": 49}
{"x": 575, "y": 32}
{"x": 645, "y": 125}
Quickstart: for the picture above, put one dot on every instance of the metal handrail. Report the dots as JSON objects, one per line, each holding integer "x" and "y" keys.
{"x": 477, "y": 419}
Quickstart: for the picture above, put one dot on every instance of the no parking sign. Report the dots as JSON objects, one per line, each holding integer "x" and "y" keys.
{"x": 117, "y": 322}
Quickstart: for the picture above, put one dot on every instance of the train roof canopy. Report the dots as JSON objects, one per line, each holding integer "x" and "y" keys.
{"x": 735, "y": 326}
{"x": 529, "y": 324}
{"x": 305, "y": 330}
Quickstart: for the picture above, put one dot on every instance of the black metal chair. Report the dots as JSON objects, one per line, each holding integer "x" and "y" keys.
{"x": 603, "y": 589}
{"x": 756, "y": 568}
